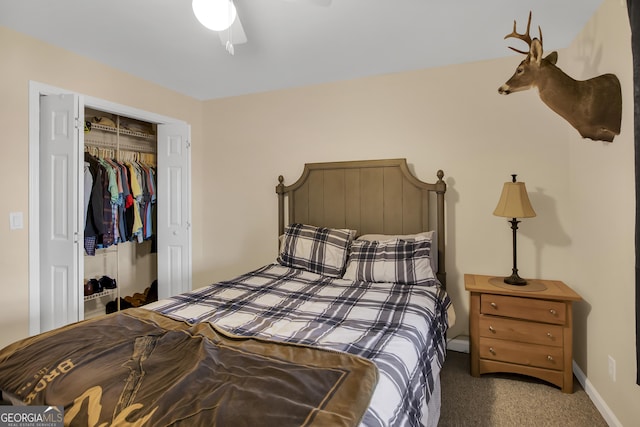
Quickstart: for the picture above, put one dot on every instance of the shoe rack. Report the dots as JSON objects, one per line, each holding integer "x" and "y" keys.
{"x": 103, "y": 263}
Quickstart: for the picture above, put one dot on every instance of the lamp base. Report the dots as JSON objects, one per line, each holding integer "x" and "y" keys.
{"x": 515, "y": 280}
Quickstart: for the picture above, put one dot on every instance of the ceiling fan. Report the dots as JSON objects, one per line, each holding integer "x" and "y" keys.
{"x": 221, "y": 16}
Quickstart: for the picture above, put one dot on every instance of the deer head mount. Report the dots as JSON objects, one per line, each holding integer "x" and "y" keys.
{"x": 593, "y": 106}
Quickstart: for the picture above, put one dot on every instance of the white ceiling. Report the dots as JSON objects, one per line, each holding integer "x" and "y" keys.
{"x": 290, "y": 43}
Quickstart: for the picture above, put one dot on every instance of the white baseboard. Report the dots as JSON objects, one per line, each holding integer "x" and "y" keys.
{"x": 459, "y": 343}
{"x": 595, "y": 397}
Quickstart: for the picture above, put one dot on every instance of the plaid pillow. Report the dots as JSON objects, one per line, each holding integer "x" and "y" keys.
{"x": 317, "y": 249}
{"x": 390, "y": 261}
{"x": 429, "y": 235}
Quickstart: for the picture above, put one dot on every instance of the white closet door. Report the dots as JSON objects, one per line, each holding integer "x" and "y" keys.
{"x": 174, "y": 209}
{"x": 59, "y": 216}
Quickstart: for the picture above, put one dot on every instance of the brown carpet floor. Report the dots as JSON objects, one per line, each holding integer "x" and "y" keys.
{"x": 508, "y": 400}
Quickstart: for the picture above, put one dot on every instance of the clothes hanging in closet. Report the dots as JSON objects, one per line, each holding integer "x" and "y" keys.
{"x": 121, "y": 202}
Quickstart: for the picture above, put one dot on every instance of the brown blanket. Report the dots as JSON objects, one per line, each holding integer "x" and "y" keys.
{"x": 139, "y": 367}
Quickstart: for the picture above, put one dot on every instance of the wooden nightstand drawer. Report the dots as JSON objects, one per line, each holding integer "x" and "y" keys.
{"x": 524, "y": 308}
{"x": 520, "y": 330}
{"x": 541, "y": 356}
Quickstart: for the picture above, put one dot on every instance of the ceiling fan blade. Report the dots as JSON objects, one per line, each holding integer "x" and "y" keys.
{"x": 238, "y": 35}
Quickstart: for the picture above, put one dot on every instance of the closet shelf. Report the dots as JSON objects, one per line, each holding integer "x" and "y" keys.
{"x": 122, "y": 131}
{"x": 104, "y": 293}
{"x": 142, "y": 147}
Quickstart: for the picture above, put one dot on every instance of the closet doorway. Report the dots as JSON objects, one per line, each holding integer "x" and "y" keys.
{"x": 56, "y": 203}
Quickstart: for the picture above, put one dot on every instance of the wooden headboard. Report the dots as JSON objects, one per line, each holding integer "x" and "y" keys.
{"x": 370, "y": 196}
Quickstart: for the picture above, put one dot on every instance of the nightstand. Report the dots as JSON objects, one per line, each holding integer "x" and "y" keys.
{"x": 522, "y": 329}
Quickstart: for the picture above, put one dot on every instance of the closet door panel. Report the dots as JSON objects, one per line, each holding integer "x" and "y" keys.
{"x": 59, "y": 247}
{"x": 174, "y": 209}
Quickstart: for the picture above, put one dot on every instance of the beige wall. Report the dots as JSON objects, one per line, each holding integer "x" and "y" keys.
{"x": 449, "y": 118}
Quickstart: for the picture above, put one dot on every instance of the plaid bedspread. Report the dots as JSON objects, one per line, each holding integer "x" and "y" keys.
{"x": 401, "y": 328}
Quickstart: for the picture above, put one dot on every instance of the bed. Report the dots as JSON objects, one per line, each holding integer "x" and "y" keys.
{"x": 346, "y": 327}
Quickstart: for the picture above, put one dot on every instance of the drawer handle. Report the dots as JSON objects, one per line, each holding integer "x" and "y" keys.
{"x": 494, "y": 305}
{"x": 550, "y": 358}
{"x": 550, "y": 335}
{"x": 492, "y": 351}
{"x": 553, "y": 312}
{"x": 492, "y": 329}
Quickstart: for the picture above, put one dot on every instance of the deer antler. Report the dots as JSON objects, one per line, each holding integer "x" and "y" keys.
{"x": 524, "y": 37}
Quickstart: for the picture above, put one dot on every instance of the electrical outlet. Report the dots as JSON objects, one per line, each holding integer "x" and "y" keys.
{"x": 612, "y": 369}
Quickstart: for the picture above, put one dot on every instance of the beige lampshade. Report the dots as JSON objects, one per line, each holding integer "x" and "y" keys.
{"x": 514, "y": 202}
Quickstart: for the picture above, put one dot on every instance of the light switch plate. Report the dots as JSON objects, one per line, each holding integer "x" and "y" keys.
{"x": 16, "y": 221}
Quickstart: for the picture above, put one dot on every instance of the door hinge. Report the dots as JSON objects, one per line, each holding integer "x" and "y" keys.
{"x": 75, "y": 237}
{"x": 188, "y": 144}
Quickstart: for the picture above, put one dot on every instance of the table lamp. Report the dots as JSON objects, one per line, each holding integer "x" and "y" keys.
{"x": 514, "y": 203}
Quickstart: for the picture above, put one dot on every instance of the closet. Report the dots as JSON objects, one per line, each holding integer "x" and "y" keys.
{"x": 58, "y": 264}
{"x": 120, "y": 232}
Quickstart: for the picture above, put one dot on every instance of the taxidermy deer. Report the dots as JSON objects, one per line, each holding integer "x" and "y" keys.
{"x": 593, "y": 107}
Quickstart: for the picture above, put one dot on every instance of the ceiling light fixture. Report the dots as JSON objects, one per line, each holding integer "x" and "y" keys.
{"x": 216, "y": 15}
